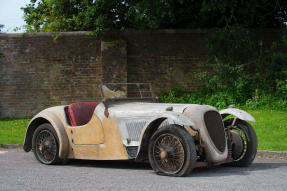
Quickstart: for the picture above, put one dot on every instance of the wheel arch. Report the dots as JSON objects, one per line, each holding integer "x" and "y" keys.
{"x": 30, "y": 131}
{"x": 48, "y": 117}
{"x": 173, "y": 118}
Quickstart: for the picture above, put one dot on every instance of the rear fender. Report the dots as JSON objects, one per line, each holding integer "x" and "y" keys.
{"x": 243, "y": 115}
{"x": 154, "y": 124}
{"x": 53, "y": 119}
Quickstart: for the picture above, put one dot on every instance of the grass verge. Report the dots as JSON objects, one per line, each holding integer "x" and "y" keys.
{"x": 12, "y": 131}
{"x": 270, "y": 127}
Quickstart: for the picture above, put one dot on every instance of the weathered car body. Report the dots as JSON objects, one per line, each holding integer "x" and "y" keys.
{"x": 122, "y": 128}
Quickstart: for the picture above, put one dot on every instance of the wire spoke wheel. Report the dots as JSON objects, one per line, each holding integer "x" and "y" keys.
{"x": 168, "y": 153}
{"x": 45, "y": 144}
{"x": 171, "y": 151}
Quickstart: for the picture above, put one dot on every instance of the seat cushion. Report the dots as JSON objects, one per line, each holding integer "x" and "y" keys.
{"x": 80, "y": 113}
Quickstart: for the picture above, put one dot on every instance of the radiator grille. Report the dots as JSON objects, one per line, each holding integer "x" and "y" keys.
{"x": 214, "y": 125}
{"x": 134, "y": 128}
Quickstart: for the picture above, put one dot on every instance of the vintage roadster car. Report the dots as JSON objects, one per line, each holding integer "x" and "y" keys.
{"x": 130, "y": 124}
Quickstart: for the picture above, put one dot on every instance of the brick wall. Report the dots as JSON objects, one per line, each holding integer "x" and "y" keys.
{"x": 38, "y": 71}
{"x": 46, "y": 69}
{"x": 165, "y": 58}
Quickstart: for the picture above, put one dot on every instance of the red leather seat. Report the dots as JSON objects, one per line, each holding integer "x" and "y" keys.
{"x": 80, "y": 113}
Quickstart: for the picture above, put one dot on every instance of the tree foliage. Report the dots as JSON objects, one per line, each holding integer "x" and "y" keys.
{"x": 245, "y": 70}
{"x": 102, "y": 15}
{"x": 1, "y": 27}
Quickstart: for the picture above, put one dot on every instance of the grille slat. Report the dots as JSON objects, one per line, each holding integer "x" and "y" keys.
{"x": 214, "y": 125}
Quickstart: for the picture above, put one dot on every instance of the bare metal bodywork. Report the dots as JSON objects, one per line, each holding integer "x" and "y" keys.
{"x": 240, "y": 114}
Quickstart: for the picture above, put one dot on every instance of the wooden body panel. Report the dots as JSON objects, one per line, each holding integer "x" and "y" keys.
{"x": 89, "y": 134}
{"x": 105, "y": 144}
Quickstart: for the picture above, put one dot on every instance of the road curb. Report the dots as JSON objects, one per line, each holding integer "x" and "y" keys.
{"x": 281, "y": 155}
{"x": 11, "y": 146}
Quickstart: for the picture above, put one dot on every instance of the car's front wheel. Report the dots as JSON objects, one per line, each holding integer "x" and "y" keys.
{"x": 172, "y": 151}
{"x": 45, "y": 144}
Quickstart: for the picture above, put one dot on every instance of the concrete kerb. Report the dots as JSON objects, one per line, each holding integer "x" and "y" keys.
{"x": 278, "y": 155}
{"x": 11, "y": 146}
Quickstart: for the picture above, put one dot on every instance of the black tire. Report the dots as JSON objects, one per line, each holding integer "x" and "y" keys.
{"x": 247, "y": 142}
{"x": 45, "y": 144}
{"x": 172, "y": 151}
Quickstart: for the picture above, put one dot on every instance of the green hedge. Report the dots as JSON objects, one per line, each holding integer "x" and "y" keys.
{"x": 242, "y": 70}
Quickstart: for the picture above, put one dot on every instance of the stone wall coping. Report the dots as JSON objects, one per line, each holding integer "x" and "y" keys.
{"x": 130, "y": 31}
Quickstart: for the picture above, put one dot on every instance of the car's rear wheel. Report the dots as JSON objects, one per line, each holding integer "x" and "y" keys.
{"x": 172, "y": 151}
{"x": 45, "y": 144}
{"x": 244, "y": 147}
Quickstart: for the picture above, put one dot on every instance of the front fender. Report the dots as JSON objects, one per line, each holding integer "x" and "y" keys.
{"x": 243, "y": 115}
{"x": 173, "y": 118}
{"x": 154, "y": 124}
{"x": 52, "y": 118}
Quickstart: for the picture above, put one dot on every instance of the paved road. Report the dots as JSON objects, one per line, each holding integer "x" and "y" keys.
{"x": 21, "y": 171}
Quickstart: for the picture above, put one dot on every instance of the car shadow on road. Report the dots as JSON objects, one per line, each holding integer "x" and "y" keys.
{"x": 116, "y": 164}
{"x": 228, "y": 170}
{"x": 197, "y": 172}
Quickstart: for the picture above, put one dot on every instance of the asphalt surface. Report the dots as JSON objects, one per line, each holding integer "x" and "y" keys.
{"x": 20, "y": 171}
